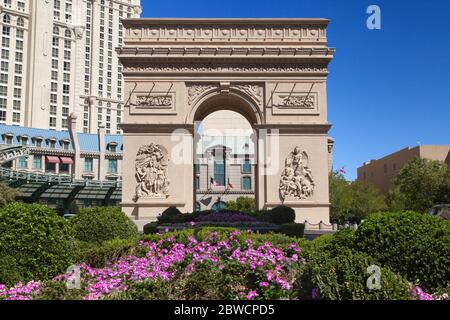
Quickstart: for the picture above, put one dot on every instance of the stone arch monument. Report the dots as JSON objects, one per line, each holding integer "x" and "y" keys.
{"x": 272, "y": 71}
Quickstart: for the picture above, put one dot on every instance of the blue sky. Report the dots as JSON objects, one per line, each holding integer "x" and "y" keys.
{"x": 388, "y": 89}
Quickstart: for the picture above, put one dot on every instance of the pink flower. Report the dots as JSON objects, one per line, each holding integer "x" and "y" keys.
{"x": 263, "y": 284}
{"x": 252, "y": 294}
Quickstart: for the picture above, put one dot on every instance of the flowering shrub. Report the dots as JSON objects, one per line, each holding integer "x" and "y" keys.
{"x": 243, "y": 271}
{"x": 222, "y": 264}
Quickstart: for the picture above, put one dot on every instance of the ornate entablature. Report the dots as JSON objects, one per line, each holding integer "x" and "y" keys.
{"x": 256, "y": 46}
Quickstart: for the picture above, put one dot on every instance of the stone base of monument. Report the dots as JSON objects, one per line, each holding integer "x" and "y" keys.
{"x": 147, "y": 210}
{"x": 314, "y": 230}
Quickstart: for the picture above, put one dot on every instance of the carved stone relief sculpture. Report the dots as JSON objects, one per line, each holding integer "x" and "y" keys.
{"x": 152, "y": 172}
{"x": 154, "y": 101}
{"x": 296, "y": 178}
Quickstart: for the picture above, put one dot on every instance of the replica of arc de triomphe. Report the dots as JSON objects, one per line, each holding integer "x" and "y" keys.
{"x": 271, "y": 71}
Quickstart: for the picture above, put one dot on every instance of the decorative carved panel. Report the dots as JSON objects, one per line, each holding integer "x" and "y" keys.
{"x": 195, "y": 91}
{"x": 295, "y": 103}
{"x": 152, "y": 102}
{"x": 151, "y": 167}
{"x": 296, "y": 182}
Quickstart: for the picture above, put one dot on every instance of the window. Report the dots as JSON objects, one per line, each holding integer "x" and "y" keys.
{"x": 112, "y": 148}
{"x": 196, "y": 168}
{"x": 52, "y": 143}
{"x": 38, "y": 143}
{"x": 198, "y": 207}
{"x": 24, "y": 141}
{"x": 394, "y": 166}
{"x": 88, "y": 164}
{"x": 385, "y": 168}
{"x": 112, "y": 166}
{"x": 20, "y": 22}
{"x": 50, "y": 167}
{"x": 37, "y": 162}
{"x": 8, "y": 139}
{"x": 246, "y": 183}
{"x": 64, "y": 168}
{"x": 219, "y": 173}
{"x": 246, "y": 166}
{"x": 197, "y": 183}
{"x": 22, "y": 163}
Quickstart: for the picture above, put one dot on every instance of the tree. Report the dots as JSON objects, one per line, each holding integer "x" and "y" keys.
{"x": 353, "y": 201}
{"x": 243, "y": 204}
{"x": 7, "y": 194}
{"x": 423, "y": 183}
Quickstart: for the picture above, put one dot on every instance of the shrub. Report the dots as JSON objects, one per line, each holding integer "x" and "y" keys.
{"x": 7, "y": 194}
{"x": 244, "y": 204}
{"x": 292, "y": 229}
{"x": 41, "y": 242}
{"x": 413, "y": 244}
{"x": 9, "y": 274}
{"x": 173, "y": 215}
{"x": 344, "y": 277}
{"x": 99, "y": 255}
{"x": 151, "y": 227}
{"x": 102, "y": 223}
{"x": 282, "y": 214}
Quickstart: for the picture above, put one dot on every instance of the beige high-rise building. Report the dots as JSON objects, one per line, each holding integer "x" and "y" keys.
{"x": 59, "y": 57}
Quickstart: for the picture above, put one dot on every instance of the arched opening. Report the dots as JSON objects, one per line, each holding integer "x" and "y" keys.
{"x": 224, "y": 156}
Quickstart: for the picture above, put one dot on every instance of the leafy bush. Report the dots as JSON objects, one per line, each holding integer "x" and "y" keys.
{"x": 292, "y": 229}
{"x": 41, "y": 242}
{"x": 7, "y": 194}
{"x": 99, "y": 255}
{"x": 102, "y": 223}
{"x": 282, "y": 214}
{"x": 151, "y": 227}
{"x": 344, "y": 277}
{"x": 173, "y": 215}
{"x": 9, "y": 274}
{"x": 413, "y": 244}
{"x": 244, "y": 204}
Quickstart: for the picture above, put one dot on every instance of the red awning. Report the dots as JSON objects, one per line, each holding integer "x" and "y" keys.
{"x": 52, "y": 159}
{"x": 66, "y": 160}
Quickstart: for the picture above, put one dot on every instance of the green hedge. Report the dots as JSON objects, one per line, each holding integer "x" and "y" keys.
{"x": 413, "y": 244}
{"x": 282, "y": 215}
{"x": 292, "y": 229}
{"x": 34, "y": 242}
{"x": 100, "y": 224}
{"x": 99, "y": 255}
{"x": 344, "y": 277}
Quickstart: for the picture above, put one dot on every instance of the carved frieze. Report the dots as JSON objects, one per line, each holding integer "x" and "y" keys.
{"x": 228, "y": 67}
{"x": 296, "y": 182}
{"x": 301, "y": 101}
{"x": 151, "y": 167}
{"x": 154, "y": 101}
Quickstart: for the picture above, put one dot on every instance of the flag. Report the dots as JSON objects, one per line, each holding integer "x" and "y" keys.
{"x": 229, "y": 184}
{"x": 211, "y": 180}
{"x": 342, "y": 170}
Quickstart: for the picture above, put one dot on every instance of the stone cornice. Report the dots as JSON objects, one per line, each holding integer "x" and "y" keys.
{"x": 296, "y": 128}
{"x": 236, "y": 52}
{"x": 226, "y": 31}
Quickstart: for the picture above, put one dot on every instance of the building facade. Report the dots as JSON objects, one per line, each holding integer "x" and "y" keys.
{"x": 61, "y": 167}
{"x": 58, "y": 57}
{"x": 271, "y": 71}
{"x": 382, "y": 172}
